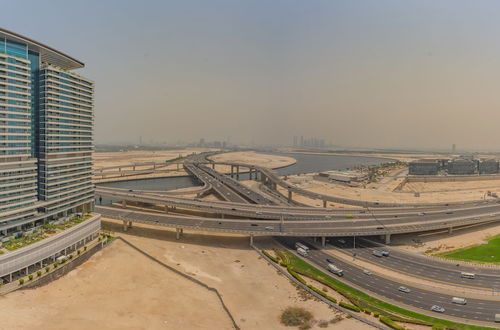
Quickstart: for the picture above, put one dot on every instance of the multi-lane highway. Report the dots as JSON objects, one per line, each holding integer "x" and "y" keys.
{"x": 475, "y": 309}
{"x": 423, "y": 267}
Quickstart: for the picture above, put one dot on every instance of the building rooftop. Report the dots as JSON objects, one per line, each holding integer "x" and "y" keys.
{"x": 48, "y": 54}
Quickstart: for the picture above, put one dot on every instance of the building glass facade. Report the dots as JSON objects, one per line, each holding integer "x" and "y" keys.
{"x": 46, "y": 125}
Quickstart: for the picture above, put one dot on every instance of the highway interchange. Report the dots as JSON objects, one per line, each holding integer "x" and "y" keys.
{"x": 246, "y": 211}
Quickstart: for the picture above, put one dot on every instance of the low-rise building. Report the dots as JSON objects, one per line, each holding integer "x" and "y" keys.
{"x": 424, "y": 167}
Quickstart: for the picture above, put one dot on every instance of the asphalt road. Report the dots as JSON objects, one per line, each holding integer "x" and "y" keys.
{"x": 420, "y": 267}
{"x": 477, "y": 310}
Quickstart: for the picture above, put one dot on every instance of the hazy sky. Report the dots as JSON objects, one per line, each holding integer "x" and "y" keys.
{"x": 411, "y": 74}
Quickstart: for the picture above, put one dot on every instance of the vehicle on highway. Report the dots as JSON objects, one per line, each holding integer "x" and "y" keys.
{"x": 302, "y": 252}
{"x": 377, "y": 253}
{"x": 367, "y": 272}
{"x": 497, "y": 317}
{"x": 467, "y": 275}
{"x": 459, "y": 301}
{"x": 404, "y": 289}
{"x": 258, "y": 212}
{"x": 380, "y": 228}
{"x": 385, "y": 253}
{"x": 253, "y": 224}
{"x": 335, "y": 270}
{"x": 302, "y": 246}
{"x": 330, "y": 260}
{"x": 436, "y": 308}
{"x": 269, "y": 228}
{"x": 342, "y": 241}
{"x": 421, "y": 213}
{"x": 449, "y": 212}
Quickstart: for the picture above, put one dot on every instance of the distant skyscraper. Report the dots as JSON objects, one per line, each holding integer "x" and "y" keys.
{"x": 453, "y": 148}
{"x": 295, "y": 140}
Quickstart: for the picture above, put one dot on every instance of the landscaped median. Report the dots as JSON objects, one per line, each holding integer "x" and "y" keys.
{"x": 359, "y": 301}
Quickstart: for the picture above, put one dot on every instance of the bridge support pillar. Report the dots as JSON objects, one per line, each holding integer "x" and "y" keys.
{"x": 124, "y": 204}
{"x": 178, "y": 233}
{"x": 213, "y": 166}
{"x": 289, "y": 195}
{"x": 130, "y": 224}
{"x": 251, "y": 239}
{"x": 324, "y": 204}
{"x": 166, "y": 208}
{"x": 387, "y": 238}
{"x": 450, "y": 230}
{"x": 232, "y": 170}
{"x": 323, "y": 241}
{"x": 250, "y": 174}
{"x": 133, "y": 168}
{"x": 125, "y": 227}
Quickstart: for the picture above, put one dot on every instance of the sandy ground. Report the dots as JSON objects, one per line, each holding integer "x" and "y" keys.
{"x": 384, "y": 195}
{"x": 119, "y": 288}
{"x": 479, "y": 185}
{"x": 105, "y": 159}
{"x": 251, "y": 157}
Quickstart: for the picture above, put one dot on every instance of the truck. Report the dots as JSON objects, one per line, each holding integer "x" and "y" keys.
{"x": 302, "y": 252}
{"x": 299, "y": 245}
{"x": 335, "y": 270}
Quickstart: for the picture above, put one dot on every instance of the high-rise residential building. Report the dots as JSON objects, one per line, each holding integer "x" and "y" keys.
{"x": 46, "y": 124}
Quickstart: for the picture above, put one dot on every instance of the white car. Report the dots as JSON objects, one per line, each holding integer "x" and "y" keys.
{"x": 367, "y": 272}
{"x": 437, "y": 308}
{"x": 404, "y": 289}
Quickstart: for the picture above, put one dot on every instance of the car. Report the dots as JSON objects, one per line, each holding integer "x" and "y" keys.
{"x": 421, "y": 213}
{"x": 436, "y": 308}
{"x": 404, "y": 289}
{"x": 258, "y": 212}
{"x": 362, "y": 211}
{"x": 379, "y": 228}
{"x": 253, "y": 224}
{"x": 449, "y": 212}
{"x": 367, "y": 272}
{"x": 328, "y": 217}
{"x": 269, "y": 228}
{"x": 385, "y": 253}
{"x": 330, "y": 260}
{"x": 342, "y": 241}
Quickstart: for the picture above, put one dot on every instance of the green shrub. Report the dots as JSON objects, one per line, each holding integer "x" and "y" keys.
{"x": 78, "y": 252}
{"x": 390, "y": 323}
{"x": 267, "y": 254}
{"x": 47, "y": 269}
{"x": 39, "y": 273}
{"x": 323, "y": 324}
{"x": 295, "y": 316}
{"x": 21, "y": 281}
{"x": 30, "y": 277}
{"x": 349, "y": 306}
{"x": 367, "y": 311}
{"x": 71, "y": 256}
{"x": 376, "y": 314}
{"x": 84, "y": 248}
{"x": 55, "y": 265}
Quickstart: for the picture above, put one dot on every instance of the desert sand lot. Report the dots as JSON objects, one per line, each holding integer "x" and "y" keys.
{"x": 446, "y": 193}
{"x": 119, "y": 288}
{"x": 252, "y": 157}
{"x": 105, "y": 159}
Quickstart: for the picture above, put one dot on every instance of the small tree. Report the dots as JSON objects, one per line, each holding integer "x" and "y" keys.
{"x": 30, "y": 277}
{"x": 39, "y": 273}
{"x": 21, "y": 281}
{"x": 47, "y": 269}
{"x": 55, "y": 265}
{"x": 79, "y": 252}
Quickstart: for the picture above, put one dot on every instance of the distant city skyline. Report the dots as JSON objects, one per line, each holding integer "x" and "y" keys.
{"x": 384, "y": 74}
